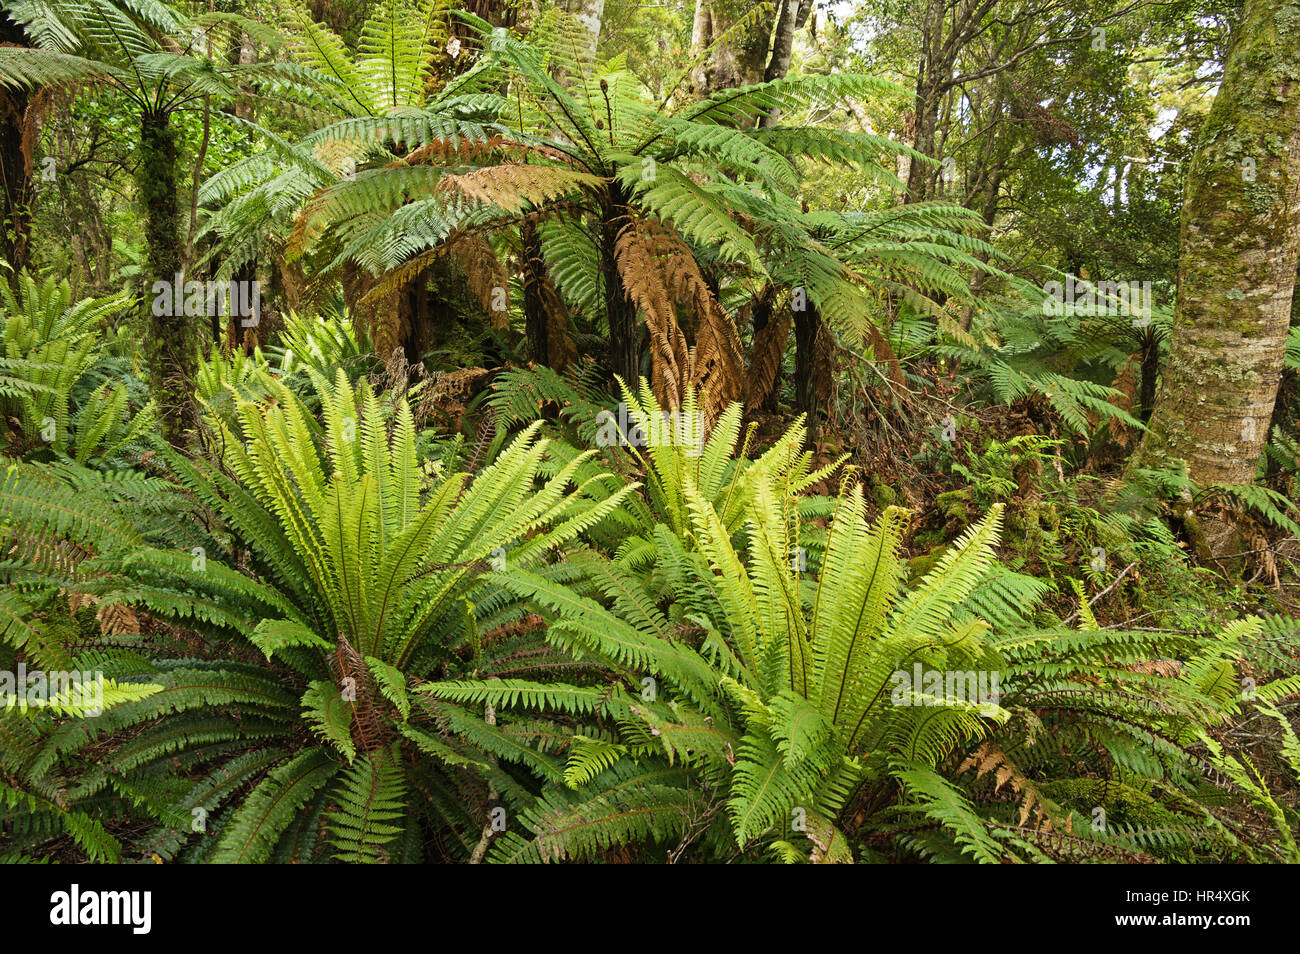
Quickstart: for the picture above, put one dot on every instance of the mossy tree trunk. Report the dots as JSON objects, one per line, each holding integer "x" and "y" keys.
{"x": 1237, "y": 267}
{"x": 170, "y": 344}
{"x": 725, "y": 56}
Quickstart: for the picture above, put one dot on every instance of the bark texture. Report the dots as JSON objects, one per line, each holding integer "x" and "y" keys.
{"x": 738, "y": 58}
{"x": 624, "y": 335}
{"x": 589, "y": 13}
{"x": 1237, "y": 267}
{"x": 171, "y": 342}
{"x": 812, "y": 373}
{"x": 15, "y": 163}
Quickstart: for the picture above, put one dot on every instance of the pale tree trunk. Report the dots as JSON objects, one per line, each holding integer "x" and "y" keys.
{"x": 589, "y": 13}
{"x": 793, "y": 15}
{"x": 701, "y": 37}
{"x": 743, "y": 57}
{"x": 1237, "y": 267}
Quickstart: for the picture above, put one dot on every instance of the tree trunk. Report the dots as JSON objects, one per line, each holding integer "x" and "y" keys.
{"x": 171, "y": 341}
{"x": 810, "y": 375}
{"x": 589, "y": 13}
{"x": 15, "y": 171}
{"x": 921, "y": 176}
{"x": 739, "y": 60}
{"x": 701, "y": 37}
{"x": 933, "y": 71}
{"x": 535, "y": 324}
{"x": 793, "y": 15}
{"x": 624, "y": 335}
{"x": 1237, "y": 268}
{"x": 1286, "y": 415}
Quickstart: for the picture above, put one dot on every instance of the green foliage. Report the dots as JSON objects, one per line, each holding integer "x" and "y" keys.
{"x": 333, "y": 536}
{"x": 1070, "y": 357}
{"x": 62, "y": 386}
{"x": 362, "y": 613}
{"x": 790, "y": 692}
{"x": 371, "y": 801}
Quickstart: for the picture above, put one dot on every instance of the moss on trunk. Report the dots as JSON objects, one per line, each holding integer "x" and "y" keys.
{"x": 1240, "y": 234}
{"x": 170, "y": 341}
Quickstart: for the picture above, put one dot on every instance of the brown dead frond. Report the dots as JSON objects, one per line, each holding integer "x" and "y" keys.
{"x": 369, "y": 727}
{"x": 1127, "y": 382}
{"x": 484, "y": 273}
{"x": 118, "y": 620}
{"x": 989, "y": 758}
{"x": 661, "y": 274}
{"x": 640, "y": 252}
{"x": 460, "y": 151}
{"x": 114, "y": 619}
{"x": 512, "y": 186}
{"x": 770, "y": 339}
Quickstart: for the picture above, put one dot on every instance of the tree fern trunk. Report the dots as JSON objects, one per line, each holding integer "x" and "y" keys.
{"x": 534, "y": 310}
{"x": 767, "y": 350}
{"x": 1236, "y": 275}
{"x": 1150, "y": 375}
{"x": 624, "y": 340}
{"x": 171, "y": 342}
{"x": 414, "y": 304}
{"x": 15, "y": 174}
{"x": 239, "y": 337}
{"x": 808, "y": 373}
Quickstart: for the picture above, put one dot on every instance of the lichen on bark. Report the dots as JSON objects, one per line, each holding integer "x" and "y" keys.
{"x": 1240, "y": 237}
